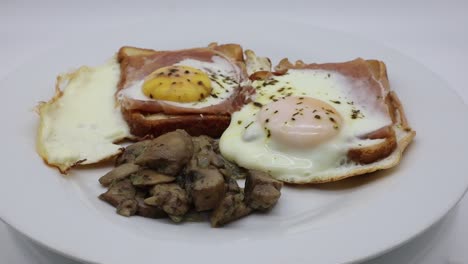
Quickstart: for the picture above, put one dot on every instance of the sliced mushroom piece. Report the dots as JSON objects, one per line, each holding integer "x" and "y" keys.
{"x": 168, "y": 153}
{"x": 231, "y": 185}
{"x": 207, "y": 189}
{"x": 132, "y": 152}
{"x": 232, "y": 170}
{"x": 170, "y": 197}
{"x": 176, "y": 218}
{"x": 147, "y": 210}
{"x": 231, "y": 208}
{"x": 118, "y": 192}
{"x": 205, "y": 153}
{"x": 261, "y": 191}
{"x": 149, "y": 177}
{"x": 127, "y": 207}
{"x": 119, "y": 173}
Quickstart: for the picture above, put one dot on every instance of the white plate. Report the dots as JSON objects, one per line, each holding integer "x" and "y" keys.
{"x": 341, "y": 222}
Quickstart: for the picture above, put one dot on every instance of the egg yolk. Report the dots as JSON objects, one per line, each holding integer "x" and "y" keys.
{"x": 178, "y": 84}
{"x": 301, "y": 122}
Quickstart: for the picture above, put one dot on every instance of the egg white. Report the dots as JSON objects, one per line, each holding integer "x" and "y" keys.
{"x": 246, "y": 142}
{"x": 83, "y": 121}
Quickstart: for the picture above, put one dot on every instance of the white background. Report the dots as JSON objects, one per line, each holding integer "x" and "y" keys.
{"x": 434, "y": 33}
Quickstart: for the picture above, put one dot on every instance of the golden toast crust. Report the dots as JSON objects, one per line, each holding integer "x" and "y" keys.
{"x": 143, "y": 126}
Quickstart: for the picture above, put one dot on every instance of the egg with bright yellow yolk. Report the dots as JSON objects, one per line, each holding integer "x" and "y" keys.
{"x": 301, "y": 125}
{"x": 178, "y": 84}
{"x": 189, "y": 83}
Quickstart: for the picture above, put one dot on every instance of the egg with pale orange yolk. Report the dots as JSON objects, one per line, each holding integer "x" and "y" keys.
{"x": 300, "y": 122}
{"x": 300, "y": 125}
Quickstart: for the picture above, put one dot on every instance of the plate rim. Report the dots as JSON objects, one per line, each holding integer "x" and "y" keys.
{"x": 446, "y": 85}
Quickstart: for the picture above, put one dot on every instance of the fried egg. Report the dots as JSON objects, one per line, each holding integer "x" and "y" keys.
{"x": 189, "y": 83}
{"x": 82, "y": 122}
{"x": 300, "y": 125}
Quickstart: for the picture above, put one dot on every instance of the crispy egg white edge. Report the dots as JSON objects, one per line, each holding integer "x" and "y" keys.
{"x": 347, "y": 169}
{"x": 43, "y": 108}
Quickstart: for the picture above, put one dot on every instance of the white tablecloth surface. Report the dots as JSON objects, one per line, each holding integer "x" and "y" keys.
{"x": 433, "y": 32}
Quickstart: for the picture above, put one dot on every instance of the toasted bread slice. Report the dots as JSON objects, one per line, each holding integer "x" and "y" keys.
{"x": 145, "y": 124}
{"x": 390, "y": 142}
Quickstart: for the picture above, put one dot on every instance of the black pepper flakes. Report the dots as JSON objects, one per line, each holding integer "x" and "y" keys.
{"x": 239, "y": 122}
{"x": 356, "y": 113}
{"x": 275, "y": 112}
{"x": 267, "y": 120}
{"x": 247, "y": 126}
{"x": 335, "y": 102}
{"x": 332, "y": 119}
{"x": 317, "y": 117}
{"x": 257, "y": 104}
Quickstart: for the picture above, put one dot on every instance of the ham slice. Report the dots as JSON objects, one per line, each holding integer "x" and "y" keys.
{"x": 368, "y": 90}
{"x": 134, "y": 68}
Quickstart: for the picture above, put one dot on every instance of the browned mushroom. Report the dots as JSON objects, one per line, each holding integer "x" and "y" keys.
{"x": 170, "y": 197}
{"x": 231, "y": 208}
{"x": 118, "y": 192}
{"x": 149, "y": 177}
{"x": 261, "y": 191}
{"x": 118, "y": 173}
{"x": 207, "y": 188}
{"x": 127, "y": 207}
{"x": 168, "y": 153}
